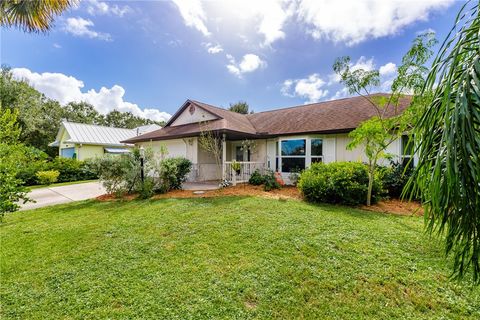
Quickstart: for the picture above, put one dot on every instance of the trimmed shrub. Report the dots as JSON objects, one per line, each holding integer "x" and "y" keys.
{"x": 256, "y": 178}
{"x": 69, "y": 170}
{"x": 394, "y": 178}
{"x": 115, "y": 173}
{"x": 173, "y": 172}
{"x": 271, "y": 181}
{"x": 47, "y": 177}
{"x": 337, "y": 182}
{"x": 147, "y": 189}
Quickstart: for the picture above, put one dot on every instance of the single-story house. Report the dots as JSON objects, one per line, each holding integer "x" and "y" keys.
{"x": 285, "y": 140}
{"x": 85, "y": 141}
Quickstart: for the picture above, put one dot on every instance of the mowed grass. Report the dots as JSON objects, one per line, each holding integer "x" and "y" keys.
{"x": 229, "y": 257}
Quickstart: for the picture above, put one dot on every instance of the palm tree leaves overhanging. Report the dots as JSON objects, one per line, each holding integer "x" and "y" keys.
{"x": 32, "y": 15}
{"x": 448, "y": 136}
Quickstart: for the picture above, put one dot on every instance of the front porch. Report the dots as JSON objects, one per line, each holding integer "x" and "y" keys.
{"x": 237, "y": 162}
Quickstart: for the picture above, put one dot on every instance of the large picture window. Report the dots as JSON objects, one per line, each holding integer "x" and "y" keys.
{"x": 297, "y": 154}
{"x": 293, "y": 155}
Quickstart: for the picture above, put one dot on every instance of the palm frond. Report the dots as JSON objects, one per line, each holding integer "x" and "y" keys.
{"x": 32, "y": 15}
{"x": 448, "y": 173}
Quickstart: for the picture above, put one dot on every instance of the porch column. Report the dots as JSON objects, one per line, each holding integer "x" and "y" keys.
{"x": 224, "y": 154}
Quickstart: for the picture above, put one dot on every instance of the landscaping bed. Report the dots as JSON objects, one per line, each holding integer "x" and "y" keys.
{"x": 394, "y": 206}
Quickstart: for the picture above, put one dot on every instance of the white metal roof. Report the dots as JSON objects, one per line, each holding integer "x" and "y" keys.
{"x": 98, "y": 135}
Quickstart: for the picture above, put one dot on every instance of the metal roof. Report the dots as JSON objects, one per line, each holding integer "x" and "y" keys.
{"x": 97, "y": 135}
{"x": 117, "y": 150}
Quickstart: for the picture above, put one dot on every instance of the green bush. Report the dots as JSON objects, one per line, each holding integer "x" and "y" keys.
{"x": 173, "y": 172}
{"x": 69, "y": 169}
{"x": 122, "y": 174}
{"x": 270, "y": 181}
{"x": 119, "y": 174}
{"x": 394, "y": 178}
{"x": 12, "y": 191}
{"x": 36, "y": 160}
{"x": 72, "y": 169}
{"x": 47, "y": 177}
{"x": 147, "y": 189}
{"x": 256, "y": 178}
{"x": 337, "y": 182}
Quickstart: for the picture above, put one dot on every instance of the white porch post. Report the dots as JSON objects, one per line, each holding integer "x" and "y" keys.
{"x": 224, "y": 154}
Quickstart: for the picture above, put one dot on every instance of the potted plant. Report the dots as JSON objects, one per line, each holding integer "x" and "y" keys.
{"x": 236, "y": 167}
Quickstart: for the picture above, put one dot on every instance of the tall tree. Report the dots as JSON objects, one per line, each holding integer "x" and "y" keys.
{"x": 32, "y": 15}
{"x": 377, "y": 133}
{"x": 239, "y": 107}
{"x": 82, "y": 112}
{"x": 447, "y": 176}
{"x": 127, "y": 120}
{"x": 39, "y": 117}
{"x": 12, "y": 157}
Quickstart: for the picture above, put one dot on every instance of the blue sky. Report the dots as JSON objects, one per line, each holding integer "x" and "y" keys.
{"x": 148, "y": 57}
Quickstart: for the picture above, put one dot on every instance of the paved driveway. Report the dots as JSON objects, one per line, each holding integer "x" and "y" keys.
{"x": 54, "y": 195}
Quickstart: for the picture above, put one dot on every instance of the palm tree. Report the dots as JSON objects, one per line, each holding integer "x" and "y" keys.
{"x": 32, "y": 15}
{"x": 448, "y": 136}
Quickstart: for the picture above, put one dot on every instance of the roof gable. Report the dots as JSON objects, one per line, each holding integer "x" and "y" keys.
{"x": 191, "y": 112}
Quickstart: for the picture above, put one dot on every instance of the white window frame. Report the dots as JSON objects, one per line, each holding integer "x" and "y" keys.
{"x": 404, "y": 156}
{"x": 308, "y": 150}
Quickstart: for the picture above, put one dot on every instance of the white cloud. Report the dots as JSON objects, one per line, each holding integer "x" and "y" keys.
{"x": 349, "y": 22}
{"x": 193, "y": 14}
{"x": 65, "y": 89}
{"x": 310, "y": 88}
{"x": 250, "y": 62}
{"x": 388, "y": 69}
{"x": 361, "y": 63}
{"x": 266, "y": 17}
{"x": 314, "y": 88}
{"x": 353, "y": 22}
{"x": 273, "y": 15}
{"x": 96, "y": 7}
{"x": 213, "y": 49}
{"x": 57, "y": 46}
{"x": 82, "y": 28}
{"x": 342, "y": 93}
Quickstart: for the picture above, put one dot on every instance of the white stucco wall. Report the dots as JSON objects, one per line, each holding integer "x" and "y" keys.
{"x": 198, "y": 115}
{"x": 175, "y": 147}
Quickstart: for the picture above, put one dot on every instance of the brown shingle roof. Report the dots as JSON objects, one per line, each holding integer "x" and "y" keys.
{"x": 330, "y": 116}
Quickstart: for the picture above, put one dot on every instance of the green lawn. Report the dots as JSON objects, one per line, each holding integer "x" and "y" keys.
{"x": 226, "y": 258}
{"x": 59, "y": 184}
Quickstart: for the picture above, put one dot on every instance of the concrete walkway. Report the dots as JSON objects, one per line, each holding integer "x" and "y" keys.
{"x": 55, "y": 195}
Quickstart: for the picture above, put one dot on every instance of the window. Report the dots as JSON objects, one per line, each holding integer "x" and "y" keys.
{"x": 407, "y": 150}
{"x": 238, "y": 153}
{"x": 316, "y": 150}
{"x": 293, "y": 153}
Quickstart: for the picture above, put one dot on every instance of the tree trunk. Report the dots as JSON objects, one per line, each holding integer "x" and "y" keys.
{"x": 370, "y": 187}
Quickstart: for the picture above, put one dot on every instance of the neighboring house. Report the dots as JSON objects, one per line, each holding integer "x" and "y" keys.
{"x": 85, "y": 141}
{"x": 285, "y": 140}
